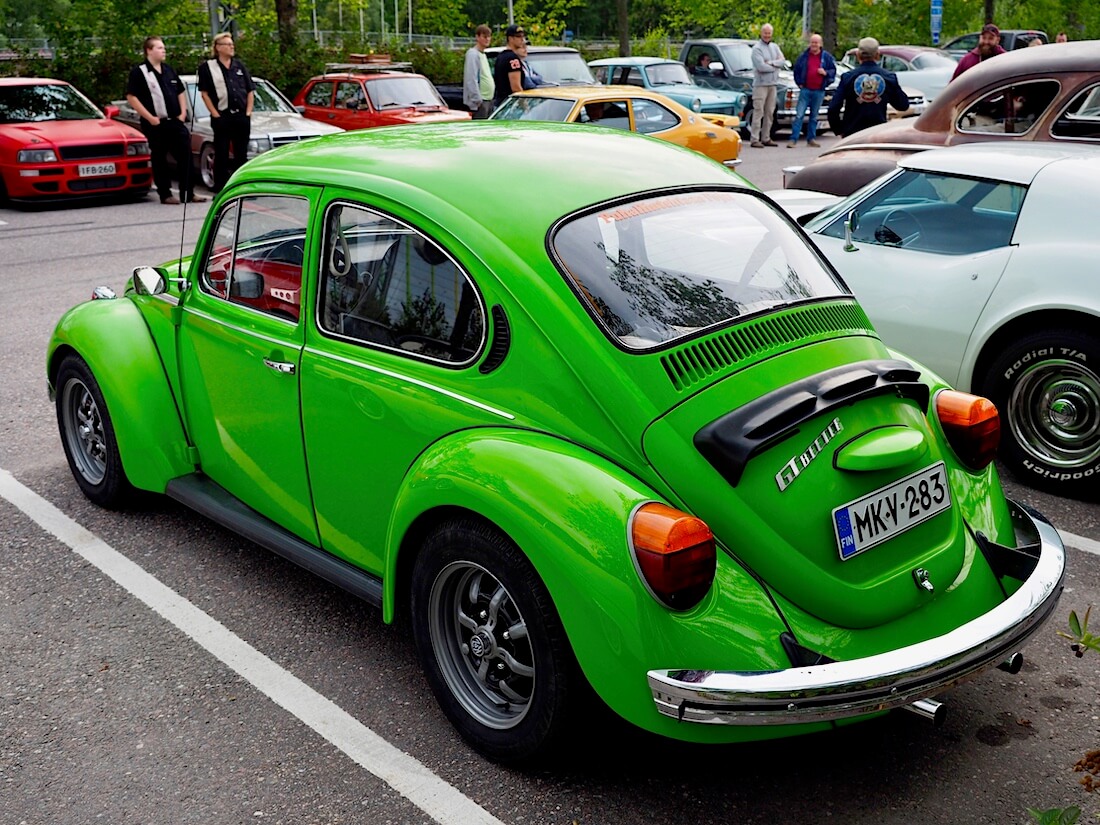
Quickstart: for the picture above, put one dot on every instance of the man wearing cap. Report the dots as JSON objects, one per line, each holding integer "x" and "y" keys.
{"x": 864, "y": 92}
{"x": 989, "y": 45}
{"x": 508, "y": 71}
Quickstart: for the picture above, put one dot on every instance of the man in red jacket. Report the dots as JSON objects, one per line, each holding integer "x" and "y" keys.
{"x": 989, "y": 45}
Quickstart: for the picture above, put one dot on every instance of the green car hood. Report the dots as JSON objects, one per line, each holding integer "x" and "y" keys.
{"x": 769, "y": 499}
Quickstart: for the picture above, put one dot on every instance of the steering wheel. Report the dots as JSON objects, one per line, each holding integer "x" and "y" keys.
{"x": 904, "y": 224}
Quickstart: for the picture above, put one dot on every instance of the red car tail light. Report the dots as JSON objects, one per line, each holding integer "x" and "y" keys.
{"x": 972, "y": 426}
{"x": 674, "y": 553}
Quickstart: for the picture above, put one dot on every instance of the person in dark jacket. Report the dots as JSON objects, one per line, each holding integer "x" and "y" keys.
{"x": 861, "y": 98}
{"x": 989, "y": 45}
{"x": 814, "y": 71}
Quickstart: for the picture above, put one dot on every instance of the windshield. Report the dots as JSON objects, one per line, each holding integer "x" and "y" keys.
{"x": 48, "y": 101}
{"x": 266, "y": 99}
{"x": 519, "y": 107}
{"x": 669, "y": 266}
{"x": 664, "y": 74}
{"x": 933, "y": 60}
{"x": 403, "y": 92}
{"x": 736, "y": 57}
{"x": 561, "y": 68}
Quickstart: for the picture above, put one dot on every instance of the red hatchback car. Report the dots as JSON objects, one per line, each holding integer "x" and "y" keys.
{"x": 363, "y": 97}
{"x": 54, "y": 143}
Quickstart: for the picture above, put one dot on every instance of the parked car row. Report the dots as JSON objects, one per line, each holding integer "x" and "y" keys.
{"x": 738, "y": 515}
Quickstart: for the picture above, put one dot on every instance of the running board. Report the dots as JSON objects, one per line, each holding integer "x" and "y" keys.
{"x": 216, "y": 503}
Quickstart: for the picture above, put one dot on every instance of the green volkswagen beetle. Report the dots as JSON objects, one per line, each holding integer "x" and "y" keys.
{"x": 585, "y": 406}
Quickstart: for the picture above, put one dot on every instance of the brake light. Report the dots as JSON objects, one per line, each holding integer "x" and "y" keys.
{"x": 674, "y": 553}
{"x": 972, "y": 426}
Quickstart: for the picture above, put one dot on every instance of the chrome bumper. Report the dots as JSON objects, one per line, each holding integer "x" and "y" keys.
{"x": 888, "y": 680}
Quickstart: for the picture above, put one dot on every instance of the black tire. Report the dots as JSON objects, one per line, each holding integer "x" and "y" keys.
{"x": 510, "y": 696}
{"x": 88, "y": 436}
{"x": 1047, "y": 388}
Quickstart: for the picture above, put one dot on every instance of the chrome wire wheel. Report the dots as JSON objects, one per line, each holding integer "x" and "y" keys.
{"x": 479, "y": 639}
{"x": 83, "y": 430}
{"x": 1054, "y": 413}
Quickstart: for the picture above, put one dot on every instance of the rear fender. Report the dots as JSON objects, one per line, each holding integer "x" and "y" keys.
{"x": 112, "y": 337}
{"x": 568, "y": 510}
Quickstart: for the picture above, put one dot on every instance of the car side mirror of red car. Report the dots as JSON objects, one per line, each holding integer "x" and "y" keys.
{"x": 111, "y": 111}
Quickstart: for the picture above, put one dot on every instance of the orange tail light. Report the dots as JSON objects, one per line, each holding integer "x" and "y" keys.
{"x": 972, "y": 426}
{"x": 675, "y": 554}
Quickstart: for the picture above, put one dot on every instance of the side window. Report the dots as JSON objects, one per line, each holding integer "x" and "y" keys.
{"x": 600, "y": 73}
{"x": 349, "y": 95}
{"x": 384, "y": 284}
{"x": 612, "y": 113}
{"x": 651, "y": 117}
{"x": 894, "y": 64}
{"x": 1009, "y": 110}
{"x": 320, "y": 94}
{"x": 257, "y": 255}
{"x": 1081, "y": 119}
{"x": 634, "y": 78}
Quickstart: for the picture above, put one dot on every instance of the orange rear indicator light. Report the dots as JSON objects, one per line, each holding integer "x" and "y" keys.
{"x": 674, "y": 553}
{"x": 972, "y": 426}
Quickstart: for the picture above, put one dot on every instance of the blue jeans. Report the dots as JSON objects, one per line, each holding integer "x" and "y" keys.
{"x": 808, "y": 99}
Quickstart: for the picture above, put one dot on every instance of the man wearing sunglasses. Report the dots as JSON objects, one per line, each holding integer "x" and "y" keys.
{"x": 508, "y": 72}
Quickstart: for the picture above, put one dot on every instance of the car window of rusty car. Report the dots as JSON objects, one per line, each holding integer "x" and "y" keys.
{"x": 1012, "y": 109}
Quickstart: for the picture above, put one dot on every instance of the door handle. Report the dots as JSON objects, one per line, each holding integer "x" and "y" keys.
{"x": 284, "y": 367}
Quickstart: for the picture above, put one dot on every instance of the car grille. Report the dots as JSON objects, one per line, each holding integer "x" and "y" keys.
{"x": 97, "y": 183}
{"x": 93, "y": 150}
{"x": 748, "y": 343}
{"x": 285, "y": 138}
{"x": 721, "y": 109}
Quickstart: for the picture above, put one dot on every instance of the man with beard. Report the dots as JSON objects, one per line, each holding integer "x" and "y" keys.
{"x": 989, "y": 45}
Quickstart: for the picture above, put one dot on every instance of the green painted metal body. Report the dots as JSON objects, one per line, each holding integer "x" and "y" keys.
{"x": 361, "y": 448}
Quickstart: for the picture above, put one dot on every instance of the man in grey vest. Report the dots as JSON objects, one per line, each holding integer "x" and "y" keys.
{"x": 228, "y": 92}
{"x": 767, "y": 60}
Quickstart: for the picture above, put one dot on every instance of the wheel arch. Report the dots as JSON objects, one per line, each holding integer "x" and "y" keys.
{"x": 1020, "y": 326}
{"x": 111, "y": 337}
{"x": 567, "y": 510}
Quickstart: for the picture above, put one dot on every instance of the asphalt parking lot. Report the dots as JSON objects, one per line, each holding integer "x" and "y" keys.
{"x": 159, "y": 669}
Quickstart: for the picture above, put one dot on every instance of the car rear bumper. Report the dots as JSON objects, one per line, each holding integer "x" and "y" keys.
{"x": 838, "y": 690}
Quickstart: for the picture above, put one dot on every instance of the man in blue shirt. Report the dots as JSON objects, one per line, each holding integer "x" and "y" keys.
{"x": 814, "y": 71}
{"x": 864, "y": 93}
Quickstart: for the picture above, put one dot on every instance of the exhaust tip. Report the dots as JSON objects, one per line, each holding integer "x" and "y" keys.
{"x": 1012, "y": 664}
{"x": 935, "y": 712}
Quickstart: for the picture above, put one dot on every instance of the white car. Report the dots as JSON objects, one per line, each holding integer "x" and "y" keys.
{"x": 275, "y": 121}
{"x": 980, "y": 261}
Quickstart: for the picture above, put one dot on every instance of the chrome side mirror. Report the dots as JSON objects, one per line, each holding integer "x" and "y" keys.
{"x": 150, "y": 280}
{"x": 851, "y": 223}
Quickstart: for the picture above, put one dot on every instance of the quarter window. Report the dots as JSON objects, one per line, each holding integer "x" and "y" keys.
{"x": 384, "y": 284}
{"x": 651, "y": 117}
{"x": 320, "y": 94}
{"x": 1081, "y": 119}
{"x": 257, "y": 255}
{"x": 1009, "y": 110}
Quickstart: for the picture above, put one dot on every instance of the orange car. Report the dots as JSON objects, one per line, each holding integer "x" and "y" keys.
{"x": 632, "y": 109}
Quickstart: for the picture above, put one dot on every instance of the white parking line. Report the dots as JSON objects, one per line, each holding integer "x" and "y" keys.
{"x": 1080, "y": 542}
{"x": 406, "y": 775}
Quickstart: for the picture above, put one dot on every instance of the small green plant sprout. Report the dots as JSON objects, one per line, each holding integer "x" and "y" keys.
{"x": 1079, "y": 634}
{"x": 1056, "y": 816}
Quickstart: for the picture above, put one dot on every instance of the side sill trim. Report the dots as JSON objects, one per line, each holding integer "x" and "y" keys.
{"x": 211, "y": 500}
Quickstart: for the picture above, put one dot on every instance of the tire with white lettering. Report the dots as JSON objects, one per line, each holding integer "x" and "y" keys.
{"x": 491, "y": 644}
{"x": 1047, "y": 389}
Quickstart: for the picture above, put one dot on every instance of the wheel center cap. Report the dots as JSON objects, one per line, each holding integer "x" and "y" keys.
{"x": 481, "y": 643}
{"x": 1063, "y": 412}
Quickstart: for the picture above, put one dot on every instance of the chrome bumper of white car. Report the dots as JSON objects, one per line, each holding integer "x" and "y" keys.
{"x": 888, "y": 680}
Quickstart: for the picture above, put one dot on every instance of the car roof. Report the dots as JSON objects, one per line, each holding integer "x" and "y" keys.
{"x": 632, "y": 61}
{"x": 536, "y": 50}
{"x": 1016, "y": 162}
{"x": 371, "y": 75}
{"x": 32, "y": 81}
{"x": 598, "y": 91}
{"x": 427, "y": 167}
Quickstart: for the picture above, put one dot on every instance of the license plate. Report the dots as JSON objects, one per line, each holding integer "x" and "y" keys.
{"x": 890, "y": 511}
{"x": 91, "y": 170}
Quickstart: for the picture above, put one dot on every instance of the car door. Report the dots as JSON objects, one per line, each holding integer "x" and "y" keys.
{"x": 240, "y": 348}
{"x": 928, "y": 250}
{"x": 390, "y": 370}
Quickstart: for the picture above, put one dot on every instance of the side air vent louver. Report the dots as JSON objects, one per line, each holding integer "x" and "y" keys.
{"x": 753, "y": 340}
{"x": 502, "y": 339}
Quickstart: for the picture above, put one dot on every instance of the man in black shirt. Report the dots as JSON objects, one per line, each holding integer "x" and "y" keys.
{"x": 228, "y": 92}
{"x": 508, "y": 71}
{"x": 156, "y": 93}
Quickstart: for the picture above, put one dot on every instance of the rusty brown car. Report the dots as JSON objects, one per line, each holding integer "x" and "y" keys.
{"x": 1052, "y": 93}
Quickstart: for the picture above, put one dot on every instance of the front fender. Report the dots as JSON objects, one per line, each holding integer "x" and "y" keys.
{"x": 568, "y": 510}
{"x": 114, "y": 340}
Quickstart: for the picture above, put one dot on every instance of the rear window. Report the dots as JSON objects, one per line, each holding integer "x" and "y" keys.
{"x": 666, "y": 267}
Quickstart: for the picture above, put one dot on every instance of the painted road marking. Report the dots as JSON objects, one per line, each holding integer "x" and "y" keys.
{"x": 408, "y": 776}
